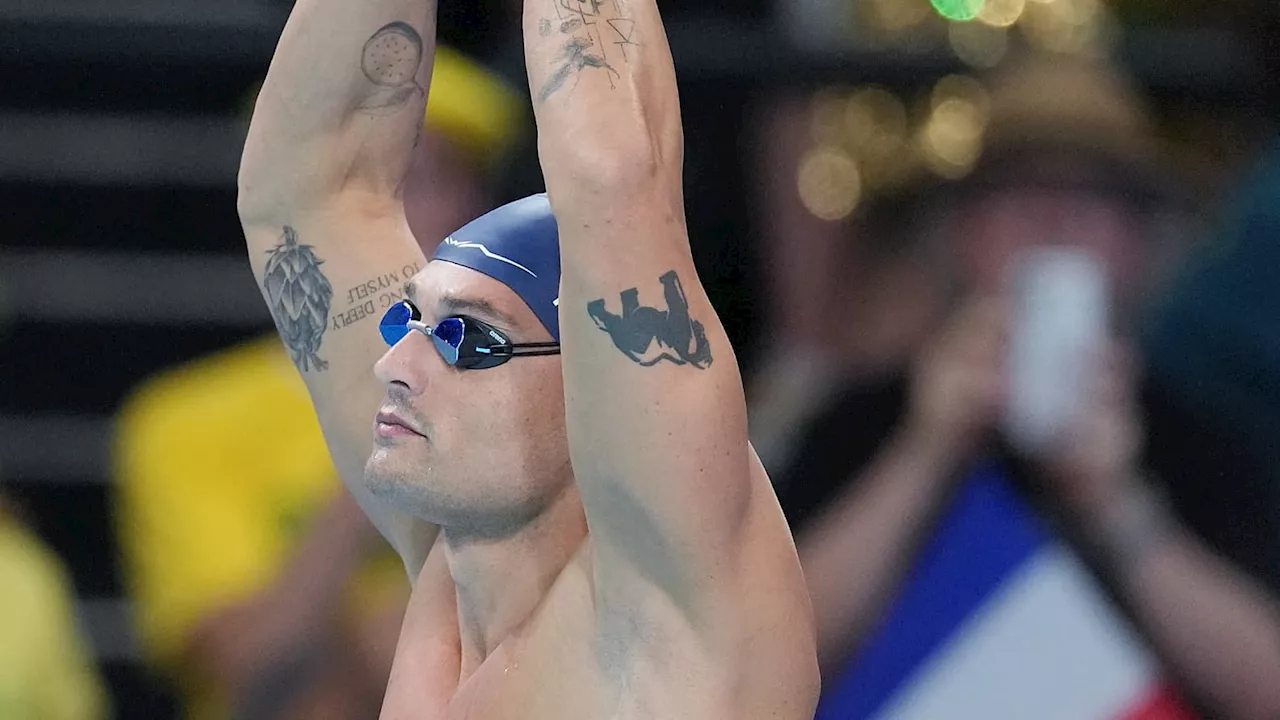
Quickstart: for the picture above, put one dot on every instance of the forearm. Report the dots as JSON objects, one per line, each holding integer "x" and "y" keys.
{"x": 605, "y": 98}
{"x": 857, "y": 552}
{"x": 1218, "y": 629}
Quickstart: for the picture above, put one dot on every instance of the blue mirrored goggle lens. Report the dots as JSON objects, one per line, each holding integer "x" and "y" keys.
{"x": 394, "y": 325}
{"x": 448, "y": 338}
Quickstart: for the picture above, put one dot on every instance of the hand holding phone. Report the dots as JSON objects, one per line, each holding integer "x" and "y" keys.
{"x": 1060, "y": 307}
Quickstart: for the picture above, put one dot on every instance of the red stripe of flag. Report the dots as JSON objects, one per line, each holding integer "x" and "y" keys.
{"x": 1161, "y": 702}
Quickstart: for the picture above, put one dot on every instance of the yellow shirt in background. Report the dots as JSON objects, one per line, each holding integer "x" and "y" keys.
{"x": 221, "y": 466}
{"x": 46, "y": 669}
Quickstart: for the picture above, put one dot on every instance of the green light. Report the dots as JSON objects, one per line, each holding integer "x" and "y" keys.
{"x": 958, "y": 10}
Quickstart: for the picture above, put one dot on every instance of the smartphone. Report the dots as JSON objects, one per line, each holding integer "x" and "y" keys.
{"x": 1060, "y": 308}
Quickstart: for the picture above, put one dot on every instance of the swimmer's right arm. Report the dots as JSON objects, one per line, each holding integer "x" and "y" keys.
{"x": 319, "y": 199}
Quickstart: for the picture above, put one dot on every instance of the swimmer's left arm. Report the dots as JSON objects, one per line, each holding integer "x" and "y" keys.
{"x": 655, "y": 409}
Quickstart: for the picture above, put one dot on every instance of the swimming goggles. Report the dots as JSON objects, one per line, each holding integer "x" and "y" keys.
{"x": 463, "y": 342}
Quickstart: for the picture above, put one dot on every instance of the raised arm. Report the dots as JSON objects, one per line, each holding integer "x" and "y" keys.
{"x": 320, "y": 202}
{"x": 655, "y": 409}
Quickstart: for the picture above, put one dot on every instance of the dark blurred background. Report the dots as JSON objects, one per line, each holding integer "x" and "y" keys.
{"x": 121, "y": 123}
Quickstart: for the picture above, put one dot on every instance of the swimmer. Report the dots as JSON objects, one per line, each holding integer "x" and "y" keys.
{"x": 556, "y": 438}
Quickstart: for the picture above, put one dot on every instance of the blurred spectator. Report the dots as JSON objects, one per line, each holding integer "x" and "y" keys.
{"x": 1216, "y": 336}
{"x": 1213, "y": 352}
{"x": 1070, "y": 162}
{"x": 46, "y": 668}
{"x": 867, "y": 270}
{"x": 260, "y": 585}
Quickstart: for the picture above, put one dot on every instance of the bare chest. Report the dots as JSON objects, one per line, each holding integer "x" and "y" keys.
{"x": 560, "y": 666}
{"x": 547, "y": 670}
{"x": 551, "y": 684}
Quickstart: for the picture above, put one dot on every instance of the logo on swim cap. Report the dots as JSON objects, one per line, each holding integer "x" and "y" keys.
{"x": 488, "y": 253}
{"x": 518, "y": 245}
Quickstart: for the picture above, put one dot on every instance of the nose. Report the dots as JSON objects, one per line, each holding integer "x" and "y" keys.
{"x": 407, "y": 363}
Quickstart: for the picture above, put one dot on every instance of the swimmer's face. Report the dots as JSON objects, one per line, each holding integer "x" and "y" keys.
{"x": 490, "y": 451}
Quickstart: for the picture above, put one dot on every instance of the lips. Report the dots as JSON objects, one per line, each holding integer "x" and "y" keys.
{"x": 389, "y": 424}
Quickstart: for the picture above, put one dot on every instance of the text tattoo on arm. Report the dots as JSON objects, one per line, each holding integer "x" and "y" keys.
{"x": 649, "y": 335}
{"x": 301, "y": 298}
{"x": 594, "y": 26}
{"x": 390, "y": 60}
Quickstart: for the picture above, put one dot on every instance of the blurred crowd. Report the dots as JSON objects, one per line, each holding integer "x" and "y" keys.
{"x": 1125, "y": 565}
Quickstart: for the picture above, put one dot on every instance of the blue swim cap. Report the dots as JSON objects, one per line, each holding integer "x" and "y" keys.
{"x": 519, "y": 246}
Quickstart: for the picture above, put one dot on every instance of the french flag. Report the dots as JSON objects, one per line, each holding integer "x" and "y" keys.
{"x": 1000, "y": 621}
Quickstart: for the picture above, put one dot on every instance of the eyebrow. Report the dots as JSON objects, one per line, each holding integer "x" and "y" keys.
{"x": 461, "y": 305}
{"x": 483, "y": 309}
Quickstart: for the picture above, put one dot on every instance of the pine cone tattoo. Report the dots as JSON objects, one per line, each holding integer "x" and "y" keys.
{"x": 299, "y": 296}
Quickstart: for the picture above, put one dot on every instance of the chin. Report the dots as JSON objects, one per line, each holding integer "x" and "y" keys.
{"x": 389, "y": 473}
{"x": 405, "y": 481}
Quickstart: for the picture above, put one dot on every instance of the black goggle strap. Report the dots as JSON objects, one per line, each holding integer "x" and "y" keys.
{"x": 520, "y": 350}
{"x": 483, "y": 339}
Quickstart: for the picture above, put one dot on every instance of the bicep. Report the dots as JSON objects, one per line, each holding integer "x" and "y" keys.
{"x": 656, "y": 413}
{"x": 327, "y": 278}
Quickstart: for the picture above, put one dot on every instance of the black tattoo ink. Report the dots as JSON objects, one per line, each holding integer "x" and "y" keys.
{"x": 555, "y": 82}
{"x": 373, "y": 296}
{"x": 299, "y": 296}
{"x": 626, "y": 29}
{"x": 574, "y": 59}
{"x": 390, "y": 61}
{"x": 575, "y": 7}
{"x": 544, "y": 27}
{"x": 648, "y": 335}
{"x": 570, "y": 25}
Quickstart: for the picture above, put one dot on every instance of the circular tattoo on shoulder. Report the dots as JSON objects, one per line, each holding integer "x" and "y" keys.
{"x": 392, "y": 56}
{"x": 390, "y": 60}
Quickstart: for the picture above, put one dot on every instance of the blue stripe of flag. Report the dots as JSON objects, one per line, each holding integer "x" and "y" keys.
{"x": 985, "y": 535}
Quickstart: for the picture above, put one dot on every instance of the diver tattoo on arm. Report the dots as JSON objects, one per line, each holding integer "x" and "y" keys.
{"x": 390, "y": 60}
{"x": 594, "y": 26}
{"x": 648, "y": 335}
{"x": 299, "y": 296}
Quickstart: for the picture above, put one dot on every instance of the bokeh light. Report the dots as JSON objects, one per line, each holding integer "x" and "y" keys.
{"x": 961, "y": 87}
{"x": 958, "y": 10}
{"x": 877, "y": 125}
{"x": 1002, "y": 13}
{"x": 829, "y": 183}
{"x": 896, "y": 16}
{"x": 978, "y": 45}
{"x": 827, "y": 117}
{"x": 951, "y": 140}
{"x": 876, "y": 121}
{"x": 1069, "y": 26}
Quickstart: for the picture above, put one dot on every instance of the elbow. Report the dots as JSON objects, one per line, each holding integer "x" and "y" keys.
{"x": 617, "y": 162}
{"x": 255, "y": 201}
{"x": 610, "y": 170}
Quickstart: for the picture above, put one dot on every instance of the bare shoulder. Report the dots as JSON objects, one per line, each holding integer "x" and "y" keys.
{"x": 572, "y": 661}
{"x": 752, "y": 655}
{"x": 427, "y": 665}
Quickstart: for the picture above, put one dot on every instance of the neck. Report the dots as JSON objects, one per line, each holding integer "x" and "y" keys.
{"x": 501, "y": 581}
